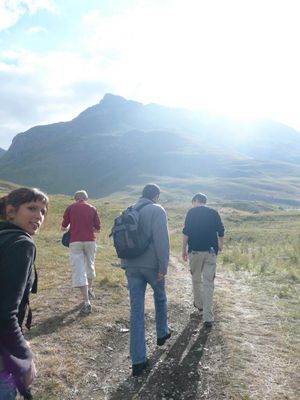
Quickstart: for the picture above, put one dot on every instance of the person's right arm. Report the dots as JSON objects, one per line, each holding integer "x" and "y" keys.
{"x": 29, "y": 375}
{"x": 16, "y": 266}
{"x": 184, "y": 247}
{"x": 66, "y": 220}
{"x": 221, "y": 243}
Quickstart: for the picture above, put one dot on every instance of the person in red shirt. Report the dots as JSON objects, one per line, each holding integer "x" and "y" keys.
{"x": 84, "y": 222}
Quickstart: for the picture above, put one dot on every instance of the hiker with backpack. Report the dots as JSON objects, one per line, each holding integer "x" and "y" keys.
{"x": 82, "y": 219}
{"x": 22, "y": 213}
{"x": 141, "y": 239}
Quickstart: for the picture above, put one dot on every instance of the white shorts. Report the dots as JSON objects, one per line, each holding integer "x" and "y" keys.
{"x": 82, "y": 260}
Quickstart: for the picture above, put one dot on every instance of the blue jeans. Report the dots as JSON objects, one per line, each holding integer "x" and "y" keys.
{"x": 7, "y": 387}
{"x": 137, "y": 283}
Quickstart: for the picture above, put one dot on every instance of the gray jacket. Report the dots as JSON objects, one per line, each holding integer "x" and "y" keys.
{"x": 153, "y": 219}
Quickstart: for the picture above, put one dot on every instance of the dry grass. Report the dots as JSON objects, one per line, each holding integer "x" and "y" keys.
{"x": 65, "y": 343}
{"x": 257, "y": 350}
{"x": 261, "y": 339}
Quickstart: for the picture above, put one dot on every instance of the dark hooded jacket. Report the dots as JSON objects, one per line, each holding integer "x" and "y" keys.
{"x": 17, "y": 257}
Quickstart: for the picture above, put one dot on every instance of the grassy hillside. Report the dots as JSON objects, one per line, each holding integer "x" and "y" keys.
{"x": 262, "y": 244}
{"x": 6, "y": 187}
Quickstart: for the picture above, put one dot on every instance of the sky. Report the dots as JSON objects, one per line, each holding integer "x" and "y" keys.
{"x": 59, "y": 57}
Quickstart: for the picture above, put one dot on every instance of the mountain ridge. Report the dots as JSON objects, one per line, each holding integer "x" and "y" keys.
{"x": 118, "y": 143}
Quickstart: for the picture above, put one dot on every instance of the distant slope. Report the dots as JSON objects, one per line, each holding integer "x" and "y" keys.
{"x": 6, "y": 187}
{"x": 119, "y": 143}
{"x": 2, "y": 151}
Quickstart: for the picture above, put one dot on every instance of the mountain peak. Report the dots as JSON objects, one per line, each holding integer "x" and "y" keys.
{"x": 120, "y": 142}
{"x": 109, "y": 97}
{"x": 112, "y": 100}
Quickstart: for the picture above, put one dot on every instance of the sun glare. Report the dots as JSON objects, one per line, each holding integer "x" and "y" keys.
{"x": 206, "y": 57}
{"x": 232, "y": 57}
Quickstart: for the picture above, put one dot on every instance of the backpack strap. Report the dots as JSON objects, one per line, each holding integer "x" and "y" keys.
{"x": 139, "y": 207}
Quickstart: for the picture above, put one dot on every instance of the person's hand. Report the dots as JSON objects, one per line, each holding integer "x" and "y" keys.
{"x": 30, "y": 375}
{"x": 221, "y": 244}
{"x": 160, "y": 277}
{"x": 184, "y": 255}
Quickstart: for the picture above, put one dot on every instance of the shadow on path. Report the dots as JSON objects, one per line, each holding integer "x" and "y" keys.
{"x": 175, "y": 374}
{"x": 53, "y": 324}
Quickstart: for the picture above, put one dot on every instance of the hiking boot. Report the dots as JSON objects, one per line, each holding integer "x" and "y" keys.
{"x": 86, "y": 309}
{"x": 137, "y": 369}
{"x": 161, "y": 341}
{"x": 91, "y": 294}
{"x": 208, "y": 324}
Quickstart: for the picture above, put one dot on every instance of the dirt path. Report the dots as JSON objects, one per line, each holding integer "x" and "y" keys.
{"x": 178, "y": 369}
{"x": 236, "y": 359}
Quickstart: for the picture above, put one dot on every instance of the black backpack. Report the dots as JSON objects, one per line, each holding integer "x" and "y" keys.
{"x": 129, "y": 238}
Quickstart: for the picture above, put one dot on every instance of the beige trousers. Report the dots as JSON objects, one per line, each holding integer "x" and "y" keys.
{"x": 203, "y": 269}
{"x": 82, "y": 260}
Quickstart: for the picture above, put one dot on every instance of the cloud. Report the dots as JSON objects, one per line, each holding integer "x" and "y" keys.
{"x": 38, "y": 89}
{"x": 34, "y": 5}
{"x": 191, "y": 53}
{"x": 222, "y": 56}
{"x": 9, "y": 14}
{"x": 11, "y": 11}
{"x": 36, "y": 29}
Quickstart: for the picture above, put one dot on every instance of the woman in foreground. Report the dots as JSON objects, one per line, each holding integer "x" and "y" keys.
{"x": 22, "y": 212}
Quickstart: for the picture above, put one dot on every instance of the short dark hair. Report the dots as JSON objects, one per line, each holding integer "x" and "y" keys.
{"x": 20, "y": 196}
{"x": 150, "y": 191}
{"x": 200, "y": 197}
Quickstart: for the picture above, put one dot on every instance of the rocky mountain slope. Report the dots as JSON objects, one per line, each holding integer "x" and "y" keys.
{"x": 119, "y": 143}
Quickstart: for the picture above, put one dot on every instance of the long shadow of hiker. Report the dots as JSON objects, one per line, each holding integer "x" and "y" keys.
{"x": 53, "y": 324}
{"x": 175, "y": 376}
